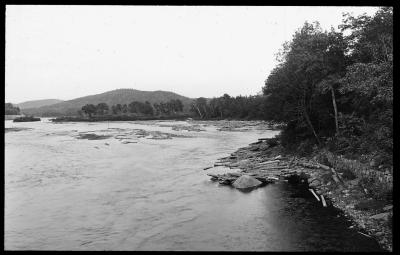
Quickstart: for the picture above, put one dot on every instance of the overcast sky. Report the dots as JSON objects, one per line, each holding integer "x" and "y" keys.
{"x": 65, "y": 52}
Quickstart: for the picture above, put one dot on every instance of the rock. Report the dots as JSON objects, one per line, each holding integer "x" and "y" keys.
{"x": 246, "y": 181}
{"x": 354, "y": 182}
{"x": 315, "y": 183}
{"x": 369, "y": 204}
{"x": 381, "y": 216}
{"x": 388, "y": 207}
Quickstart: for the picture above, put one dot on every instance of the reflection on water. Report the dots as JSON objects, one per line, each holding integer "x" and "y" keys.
{"x": 64, "y": 193}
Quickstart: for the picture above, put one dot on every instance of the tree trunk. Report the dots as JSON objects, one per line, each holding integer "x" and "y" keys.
{"x": 308, "y": 119}
{"x": 311, "y": 126}
{"x": 198, "y": 110}
{"x": 335, "y": 108}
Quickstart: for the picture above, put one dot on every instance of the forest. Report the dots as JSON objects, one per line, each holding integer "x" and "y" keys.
{"x": 172, "y": 107}
{"x": 332, "y": 89}
{"x": 10, "y": 109}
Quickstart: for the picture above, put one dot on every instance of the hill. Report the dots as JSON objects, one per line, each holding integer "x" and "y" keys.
{"x": 118, "y": 96}
{"x": 38, "y": 103}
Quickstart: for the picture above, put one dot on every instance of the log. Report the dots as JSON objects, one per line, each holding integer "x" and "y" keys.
{"x": 315, "y": 195}
{"x": 308, "y": 165}
{"x": 217, "y": 164}
{"x": 323, "y": 200}
{"x": 323, "y": 166}
{"x": 270, "y": 168}
{"x": 213, "y": 175}
{"x": 334, "y": 177}
{"x": 364, "y": 234}
{"x": 207, "y": 168}
{"x": 291, "y": 161}
{"x": 269, "y": 162}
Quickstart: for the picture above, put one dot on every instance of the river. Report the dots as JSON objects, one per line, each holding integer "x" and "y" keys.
{"x": 65, "y": 193}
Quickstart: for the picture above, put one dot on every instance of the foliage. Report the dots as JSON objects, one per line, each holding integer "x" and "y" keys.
{"x": 135, "y": 108}
{"x": 335, "y": 89}
{"x": 240, "y": 107}
{"x": 10, "y": 109}
{"x": 89, "y": 109}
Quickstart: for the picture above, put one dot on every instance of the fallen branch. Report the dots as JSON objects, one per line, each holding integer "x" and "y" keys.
{"x": 315, "y": 195}
{"x": 364, "y": 234}
{"x": 269, "y": 162}
{"x": 291, "y": 161}
{"x": 323, "y": 200}
{"x": 323, "y": 166}
{"x": 270, "y": 168}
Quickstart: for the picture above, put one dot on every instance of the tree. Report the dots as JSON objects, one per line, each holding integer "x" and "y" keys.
{"x": 102, "y": 108}
{"x": 309, "y": 74}
{"x": 10, "y": 109}
{"x": 200, "y": 107}
{"x": 116, "y": 109}
{"x": 89, "y": 109}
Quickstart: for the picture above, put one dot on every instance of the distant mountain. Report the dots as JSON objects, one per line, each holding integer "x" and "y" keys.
{"x": 118, "y": 96}
{"x": 38, "y": 103}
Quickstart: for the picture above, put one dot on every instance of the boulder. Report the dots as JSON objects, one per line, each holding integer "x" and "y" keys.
{"x": 388, "y": 208}
{"x": 381, "y": 216}
{"x": 315, "y": 183}
{"x": 246, "y": 181}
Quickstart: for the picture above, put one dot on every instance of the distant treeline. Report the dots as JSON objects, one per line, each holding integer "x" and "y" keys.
{"x": 240, "y": 107}
{"x": 10, "y": 109}
{"x": 172, "y": 107}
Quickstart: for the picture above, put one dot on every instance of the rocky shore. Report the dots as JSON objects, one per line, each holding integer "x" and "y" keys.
{"x": 266, "y": 161}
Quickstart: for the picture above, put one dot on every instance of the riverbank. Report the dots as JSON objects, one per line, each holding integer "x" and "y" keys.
{"x": 332, "y": 185}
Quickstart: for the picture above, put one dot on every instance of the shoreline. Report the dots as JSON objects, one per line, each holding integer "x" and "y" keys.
{"x": 266, "y": 161}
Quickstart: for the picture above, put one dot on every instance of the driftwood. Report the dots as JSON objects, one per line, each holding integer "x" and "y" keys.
{"x": 308, "y": 165}
{"x": 323, "y": 166}
{"x": 219, "y": 164}
{"x": 207, "y": 168}
{"x": 270, "y": 168}
{"x": 315, "y": 195}
{"x": 364, "y": 234}
{"x": 334, "y": 177}
{"x": 291, "y": 161}
{"x": 269, "y": 162}
{"x": 323, "y": 200}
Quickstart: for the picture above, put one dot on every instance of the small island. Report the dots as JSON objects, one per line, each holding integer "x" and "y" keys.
{"x": 26, "y": 119}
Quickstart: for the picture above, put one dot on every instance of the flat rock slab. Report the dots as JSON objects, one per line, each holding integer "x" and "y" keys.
{"x": 245, "y": 182}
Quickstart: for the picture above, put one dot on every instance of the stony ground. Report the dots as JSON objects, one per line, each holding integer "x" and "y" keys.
{"x": 266, "y": 161}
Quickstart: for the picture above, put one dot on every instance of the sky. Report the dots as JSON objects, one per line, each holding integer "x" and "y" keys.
{"x": 65, "y": 52}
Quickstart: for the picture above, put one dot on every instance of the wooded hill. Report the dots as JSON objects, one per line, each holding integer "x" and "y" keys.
{"x": 38, "y": 103}
{"x": 114, "y": 97}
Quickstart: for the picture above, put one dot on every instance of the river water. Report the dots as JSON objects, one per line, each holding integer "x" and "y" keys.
{"x": 65, "y": 193}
